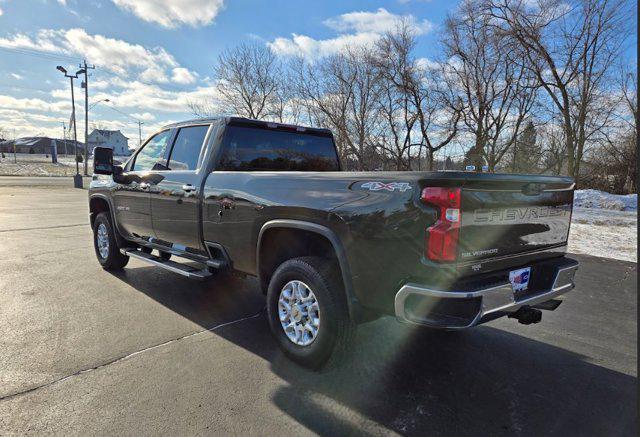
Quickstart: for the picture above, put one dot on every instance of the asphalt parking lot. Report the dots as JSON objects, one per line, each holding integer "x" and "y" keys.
{"x": 83, "y": 351}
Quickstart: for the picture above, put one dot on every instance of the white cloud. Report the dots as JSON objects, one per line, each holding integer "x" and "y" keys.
{"x": 63, "y": 2}
{"x": 302, "y": 45}
{"x": 100, "y": 84}
{"x": 355, "y": 29}
{"x": 404, "y": 2}
{"x": 16, "y": 76}
{"x": 153, "y": 74}
{"x": 427, "y": 64}
{"x": 1, "y": 12}
{"x": 114, "y": 54}
{"x": 380, "y": 21}
{"x": 10, "y": 102}
{"x": 173, "y": 13}
{"x": 42, "y": 42}
{"x": 132, "y": 95}
{"x": 130, "y": 75}
{"x": 154, "y": 98}
{"x": 183, "y": 76}
{"x": 118, "y": 56}
{"x": 144, "y": 116}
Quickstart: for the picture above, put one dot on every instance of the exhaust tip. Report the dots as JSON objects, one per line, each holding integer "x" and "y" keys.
{"x": 527, "y": 315}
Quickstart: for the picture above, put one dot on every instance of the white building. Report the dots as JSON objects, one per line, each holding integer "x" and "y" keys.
{"x": 113, "y": 139}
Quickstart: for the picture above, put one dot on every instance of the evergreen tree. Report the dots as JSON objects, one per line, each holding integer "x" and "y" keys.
{"x": 527, "y": 153}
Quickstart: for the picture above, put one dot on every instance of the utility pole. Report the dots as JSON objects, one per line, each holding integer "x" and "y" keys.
{"x": 75, "y": 132}
{"x": 77, "y": 179}
{"x": 64, "y": 137}
{"x": 85, "y": 67}
{"x": 140, "y": 122}
{"x": 140, "y": 133}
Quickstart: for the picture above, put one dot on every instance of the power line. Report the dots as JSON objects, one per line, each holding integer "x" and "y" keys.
{"x": 39, "y": 54}
{"x": 140, "y": 122}
{"x": 123, "y": 113}
{"x": 24, "y": 88}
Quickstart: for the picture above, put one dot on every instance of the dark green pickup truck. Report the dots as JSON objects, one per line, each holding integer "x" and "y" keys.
{"x": 331, "y": 248}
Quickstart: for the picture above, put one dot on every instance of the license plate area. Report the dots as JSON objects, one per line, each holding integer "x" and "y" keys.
{"x": 519, "y": 279}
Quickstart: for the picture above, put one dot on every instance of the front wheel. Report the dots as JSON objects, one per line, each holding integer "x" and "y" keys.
{"x": 308, "y": 313}
{"x": 105, "y": 244}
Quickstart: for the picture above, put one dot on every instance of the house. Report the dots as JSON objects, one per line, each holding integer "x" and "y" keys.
{"x": 40, "y": 146}
{"x": 113, "y": 139}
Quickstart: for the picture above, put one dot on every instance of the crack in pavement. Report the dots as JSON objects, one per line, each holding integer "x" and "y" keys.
{"x": 127, "y": 356}
{"x": 43, "y": 227}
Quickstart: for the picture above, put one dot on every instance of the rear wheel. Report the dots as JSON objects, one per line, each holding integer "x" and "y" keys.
{"x": 105, "y": 244}
{"x": 165, "y": 256}
{"x": 308, "y": 312}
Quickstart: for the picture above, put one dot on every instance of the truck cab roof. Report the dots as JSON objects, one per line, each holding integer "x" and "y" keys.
{"x": 249, "y": 122}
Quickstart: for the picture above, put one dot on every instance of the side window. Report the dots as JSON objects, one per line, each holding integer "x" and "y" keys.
{"x": 152, "y": 152}
{"x": 186, "y": 148}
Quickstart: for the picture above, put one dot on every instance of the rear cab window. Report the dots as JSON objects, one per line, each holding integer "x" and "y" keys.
{"x": 248, "y": 148}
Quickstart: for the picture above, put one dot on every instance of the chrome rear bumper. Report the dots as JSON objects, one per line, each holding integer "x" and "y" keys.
{"x": 483, "y": 303}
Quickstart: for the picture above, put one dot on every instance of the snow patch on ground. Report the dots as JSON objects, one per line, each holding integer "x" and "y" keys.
{"x": 603, "y": 200}
{"x": 41, "y": 165}
{"x": 604, "y": 225}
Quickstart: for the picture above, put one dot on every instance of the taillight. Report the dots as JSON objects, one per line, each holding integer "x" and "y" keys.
{"x": 442, "y": 236}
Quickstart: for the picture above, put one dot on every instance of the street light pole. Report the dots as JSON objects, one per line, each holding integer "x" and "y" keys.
{"x": 99, "y": 101}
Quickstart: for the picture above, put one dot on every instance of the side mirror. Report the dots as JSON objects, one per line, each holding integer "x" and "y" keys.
{"x": 103, "y": 160}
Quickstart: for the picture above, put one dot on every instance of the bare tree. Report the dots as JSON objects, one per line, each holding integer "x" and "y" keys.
{"x": 395, "y": 120}
{"x": 341, "y": 92}
{"x": 248, "y": 81}
{"x": 396, "y": 106}
{"x": 420, "y": 97}
{"x": 614, "y": 162}
{"x": 629, "y": 87}
{"x": 569, "y": 46}
{"x": 554, "y": 151}
{"x": 439, "y": 111}
{"x": 492, "y": 83}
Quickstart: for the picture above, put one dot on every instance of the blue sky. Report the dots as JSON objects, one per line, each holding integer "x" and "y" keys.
{"x": 154, "y": 56}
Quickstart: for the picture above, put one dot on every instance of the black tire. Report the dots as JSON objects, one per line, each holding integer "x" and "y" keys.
{"x": 146, "y": 249}
{"x": 336, "y": 330}
{"x": 114, "y": 259}
{"x": 165, "y": 256}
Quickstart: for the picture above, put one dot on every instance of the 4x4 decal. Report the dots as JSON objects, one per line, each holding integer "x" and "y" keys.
{"x": 391, "y": 186}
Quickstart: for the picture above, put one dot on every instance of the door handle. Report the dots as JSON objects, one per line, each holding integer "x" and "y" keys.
{"x": 188, "y": 188}
{"x": 144, "y": 185}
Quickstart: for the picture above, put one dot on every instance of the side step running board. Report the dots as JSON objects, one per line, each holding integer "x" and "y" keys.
{"x": 181, "y": 269}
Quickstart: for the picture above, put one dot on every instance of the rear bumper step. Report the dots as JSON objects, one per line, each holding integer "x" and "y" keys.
{"x": 459, "y": 309}
{"x": 181, "y": 269}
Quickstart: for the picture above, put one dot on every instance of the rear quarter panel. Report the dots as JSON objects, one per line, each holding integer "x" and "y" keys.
{"x": 259, "y": 197}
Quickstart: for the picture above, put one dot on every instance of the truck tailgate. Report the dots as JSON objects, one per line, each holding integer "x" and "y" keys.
{"x": 500, "y": 218}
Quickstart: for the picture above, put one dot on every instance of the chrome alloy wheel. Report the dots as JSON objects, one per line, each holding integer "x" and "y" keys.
{"x": 103, "y": 241}
{"x": 299, "y": 313}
